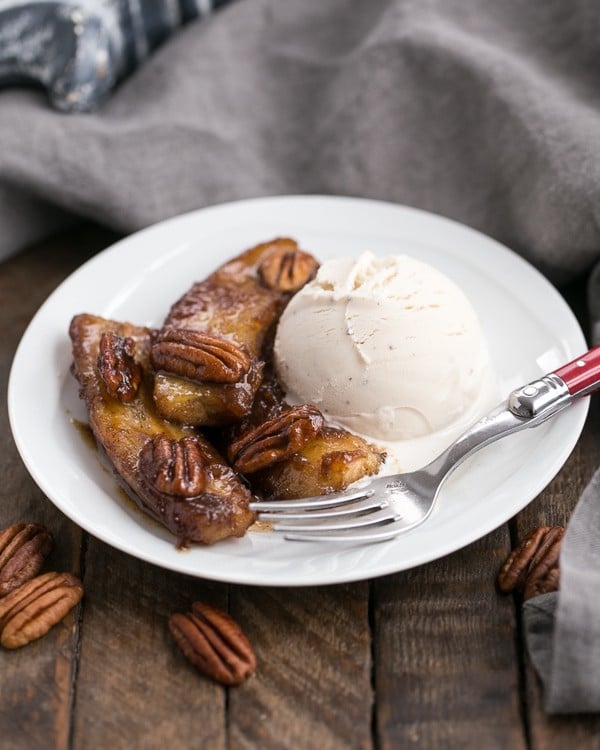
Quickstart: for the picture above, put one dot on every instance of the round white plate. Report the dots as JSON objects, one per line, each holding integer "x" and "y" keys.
{"x": 529, "y": 327}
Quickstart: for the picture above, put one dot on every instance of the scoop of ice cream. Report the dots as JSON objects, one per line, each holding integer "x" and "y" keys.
{"x": 386, "y": 347}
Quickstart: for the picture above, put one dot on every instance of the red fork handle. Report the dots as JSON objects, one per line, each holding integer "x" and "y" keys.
{"x": 582, "y": 375}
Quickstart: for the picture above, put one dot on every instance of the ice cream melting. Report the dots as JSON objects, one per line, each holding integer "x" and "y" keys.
{"x": 389, "y": 348}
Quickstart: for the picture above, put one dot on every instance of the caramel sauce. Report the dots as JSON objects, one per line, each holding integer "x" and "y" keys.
{"x": 130, "y": 501}
{"x": 127, "y": 498}
{"x": 85, "y": 431}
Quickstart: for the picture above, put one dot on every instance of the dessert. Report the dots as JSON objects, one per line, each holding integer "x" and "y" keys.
{"x": 207, "y": 356}
{"x": 149, "y": 394}
{"x": 388, "y": 348}
{"x": 303, "y": 379}
{"x": 171, "y": 470}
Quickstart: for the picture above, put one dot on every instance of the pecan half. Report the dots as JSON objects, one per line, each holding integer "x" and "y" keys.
{"x": 199, "y": 356}
{"x": 174, "y": 467}
{"x": 31, "y": 610}
{"x": 23, "y": 549}
{"x": 287, "y": 268}
{"x": 532, "y": 567}
{"x": 275, "y": 440}
{"x": 214, "y": 643}
{"x": 118, "y": 368}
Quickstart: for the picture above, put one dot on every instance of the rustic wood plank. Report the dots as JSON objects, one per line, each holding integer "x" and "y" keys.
{"x": 134, "y": 687}
{"x": 313, "y": 684}
{"x": 446, "y": 669}
{"x": 37, "y": 681}
{"x": 312, "y": 687}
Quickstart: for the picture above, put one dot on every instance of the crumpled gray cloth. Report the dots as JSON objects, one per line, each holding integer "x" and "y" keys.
{"x": 562, "y": 629}
{"x": 483, "y": 111}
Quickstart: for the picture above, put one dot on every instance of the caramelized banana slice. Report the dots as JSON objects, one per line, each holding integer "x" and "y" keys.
{"x": 207, "y": 354}
{"x": 329, "y": 462}
{"x": 289, "y": 451}
{"x": 172, "y": 471}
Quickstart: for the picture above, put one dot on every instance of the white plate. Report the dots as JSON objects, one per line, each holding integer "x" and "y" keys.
{"x": 529, "y": 327}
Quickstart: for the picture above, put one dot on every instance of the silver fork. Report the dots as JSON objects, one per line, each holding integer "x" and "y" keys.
{"x": 381, "y": 508}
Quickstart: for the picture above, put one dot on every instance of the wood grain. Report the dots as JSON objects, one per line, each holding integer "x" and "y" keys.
{"x": 313, "y": 685}
{"x": 446, "y": 670}
{"x": 36, "y": 688}
{"x": 134, "y": 687}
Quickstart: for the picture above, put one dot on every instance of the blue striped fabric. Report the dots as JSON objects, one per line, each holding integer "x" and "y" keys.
{"x": 78, "y": 51}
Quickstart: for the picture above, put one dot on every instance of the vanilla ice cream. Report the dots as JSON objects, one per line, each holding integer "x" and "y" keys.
{"x": 389, "y": 348}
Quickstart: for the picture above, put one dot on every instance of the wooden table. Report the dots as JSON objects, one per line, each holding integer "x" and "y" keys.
{"x": 428, "y": 658}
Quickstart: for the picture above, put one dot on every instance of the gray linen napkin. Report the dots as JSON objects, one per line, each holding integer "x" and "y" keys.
{"x": 563, "y": 629}
{"x": 486, "y": 112}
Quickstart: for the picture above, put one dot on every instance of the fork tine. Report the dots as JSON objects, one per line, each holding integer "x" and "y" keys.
{"x": 312, "y": 503}
{"x": 347, "y": 509}
{"x": 382, "y": 533}
{"x": 355, "y": 522}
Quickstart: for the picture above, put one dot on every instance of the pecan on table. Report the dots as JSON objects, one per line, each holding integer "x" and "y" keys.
{"x": 120, "y": 372}
{"x": 199, "y": 356}
{"x": 29, "y": 611}
{"x": 533, "y": 566}
{"x": 287, "y": 268}
{"x": 214, "y": 643}
{"x": 275, "y": 440}
{"x": 23, "y": 549}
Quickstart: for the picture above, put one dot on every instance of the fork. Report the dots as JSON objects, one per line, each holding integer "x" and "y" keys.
{"x": 382, "y": 508}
